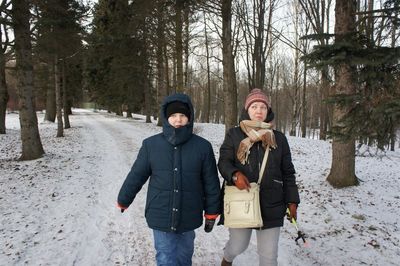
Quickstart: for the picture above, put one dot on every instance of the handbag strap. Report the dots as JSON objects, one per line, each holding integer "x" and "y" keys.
{"x": 264, "y": 163}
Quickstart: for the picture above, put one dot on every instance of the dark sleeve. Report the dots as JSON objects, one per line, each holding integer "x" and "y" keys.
{"x": 288, "y": 174}
{"x": 211, "y": 183}
{"x": 136, "y": 178}
{"x": 226, "y": 161}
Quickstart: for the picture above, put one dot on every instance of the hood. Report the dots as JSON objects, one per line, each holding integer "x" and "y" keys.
{"x": 244, "y": 115}
{"x": 177, "y": 136}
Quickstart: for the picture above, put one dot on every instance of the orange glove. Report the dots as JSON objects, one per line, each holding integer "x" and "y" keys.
{"x": 241, "y": 181}
{"x": 123, "y": 208}
{"x": 293, "y": 211}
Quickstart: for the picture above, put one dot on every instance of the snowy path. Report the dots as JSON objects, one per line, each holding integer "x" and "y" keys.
{"x": 114, "y": 143}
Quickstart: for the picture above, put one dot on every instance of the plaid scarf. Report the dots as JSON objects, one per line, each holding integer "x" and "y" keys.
{"x": 255, "y": 131}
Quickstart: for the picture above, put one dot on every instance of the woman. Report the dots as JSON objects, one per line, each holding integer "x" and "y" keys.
{"x": 241, "y": 155}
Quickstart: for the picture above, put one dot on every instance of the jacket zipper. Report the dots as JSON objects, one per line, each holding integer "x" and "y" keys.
{"x": 173, "y": 194}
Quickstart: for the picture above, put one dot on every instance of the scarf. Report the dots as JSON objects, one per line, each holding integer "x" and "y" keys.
{"x": 255, "y": 131}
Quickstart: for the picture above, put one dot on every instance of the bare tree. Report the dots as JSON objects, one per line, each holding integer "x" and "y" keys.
{"x": 228, "y": 61}
{"x": 317, "y": 12}
{"x": 4, "y": 46}
{"x": 31, "y": 144}
{"x": 256, "y": 23}
{"x": 296, "y": 76}
{"x": 179, "y": 6}
{"x": 342, "y": 172}
{"x": 160, "y": 47}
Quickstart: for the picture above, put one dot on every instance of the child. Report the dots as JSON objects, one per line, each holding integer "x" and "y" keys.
{"x": 183, "y": 183}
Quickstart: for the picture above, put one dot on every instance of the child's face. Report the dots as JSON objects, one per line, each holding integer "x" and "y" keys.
{"x": 178, "y": 120}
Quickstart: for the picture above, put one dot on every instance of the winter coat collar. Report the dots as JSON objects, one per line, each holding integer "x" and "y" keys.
{"x": 177, "y": 136}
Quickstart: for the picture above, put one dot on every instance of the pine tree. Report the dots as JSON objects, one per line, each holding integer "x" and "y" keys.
{"x": 31, "y": 144}
{"x": 59, "y": 34}
{"x": 374, "y": 106}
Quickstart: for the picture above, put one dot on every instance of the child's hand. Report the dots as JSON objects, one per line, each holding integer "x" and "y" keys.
{"x": 123, "y": 208}
{"x": 210, "y": 221}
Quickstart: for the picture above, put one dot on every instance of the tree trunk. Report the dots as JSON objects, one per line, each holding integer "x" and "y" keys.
{"x": 208, "y": 92}
{"x": 146, "y": 73}
{"x": 60, "y": 129}
{"x": 65, "y": 97}
{"x": 304, "y": 104}
{"x": 342, "y": 172}
{"x": 51, "y": 109}
{"x": 178, "y": 45}
{"x": 324, "y": 116}
{"x": 392, "y": 135}
{"x": 186, "y": 45}
{"x": 3, "y": 93}
{"x": 229, "y": 86}
{"x": 31, "y": 144}
{"x": 296, "y": 87}
{"x": 161, "y": 75}
{"x": 258, "y": 46}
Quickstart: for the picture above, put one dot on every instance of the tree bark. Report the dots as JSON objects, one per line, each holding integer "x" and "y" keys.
{"x": 342, "y": 172}
{"x": 31, "y": 144}
{"x": 51, "y": 109}
{"x": 304, "y": 104}
{"x": 3, "y": 92}
{"x": 186, "y": 39}
{"x": 208, "y": 92}
{"x": 161, "y": 43}
{"x": 65, "y": 96}
{"x": 60, "y": 129}
{"x": 178, "y": 45}
{"x": 4, "y": 97}
{"x": 324, "y": 116}
{"x": 229, "y": 86}
{"x": 296, "y": 87}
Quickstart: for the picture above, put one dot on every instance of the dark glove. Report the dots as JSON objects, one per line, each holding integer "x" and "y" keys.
{"x": 210, "y": 221}
{"x": 292, "y": 211}
{"x": 241, "y": 181}
{"x": 123, "y": 208}
{"x": 209, "y": 225}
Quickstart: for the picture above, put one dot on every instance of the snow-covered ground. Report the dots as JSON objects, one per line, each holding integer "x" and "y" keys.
{"x": 61, "y": 209}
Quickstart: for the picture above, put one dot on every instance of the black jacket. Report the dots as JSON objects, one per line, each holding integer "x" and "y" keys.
{"x": 278, "y": 186}
{"x": 183, "y": 177}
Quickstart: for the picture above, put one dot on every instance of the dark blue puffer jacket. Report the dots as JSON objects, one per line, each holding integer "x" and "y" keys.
{"x": 183, "y": 176}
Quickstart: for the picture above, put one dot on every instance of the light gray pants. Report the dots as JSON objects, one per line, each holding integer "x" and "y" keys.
{"x": 267, "y": 244}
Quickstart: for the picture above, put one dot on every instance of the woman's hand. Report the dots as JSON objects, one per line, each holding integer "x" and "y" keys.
{"x": 292, "y": 211}
{"x": 241, "y": 181}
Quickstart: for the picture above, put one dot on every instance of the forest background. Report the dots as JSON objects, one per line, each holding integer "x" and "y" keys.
{"x": 330, "y": 68}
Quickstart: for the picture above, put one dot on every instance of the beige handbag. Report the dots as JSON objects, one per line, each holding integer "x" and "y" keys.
{"x": 242, "y": 207}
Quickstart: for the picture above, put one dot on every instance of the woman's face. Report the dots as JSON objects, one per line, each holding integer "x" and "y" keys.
{"x": 258, "y": 111}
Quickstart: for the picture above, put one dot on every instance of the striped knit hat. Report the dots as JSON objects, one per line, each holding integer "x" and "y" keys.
{"x": 255, "y": 95}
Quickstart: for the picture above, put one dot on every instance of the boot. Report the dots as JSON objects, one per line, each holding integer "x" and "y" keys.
{"x": 225, "y": 263}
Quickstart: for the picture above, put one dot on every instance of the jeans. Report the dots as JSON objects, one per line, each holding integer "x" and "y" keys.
{"x": 174, "y": 249}
{"x": 267, "y": 244}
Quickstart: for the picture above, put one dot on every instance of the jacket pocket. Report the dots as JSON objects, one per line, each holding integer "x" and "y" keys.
{"x": 273, "y": 195}
{"x": 278, "y": 181}
{"x": 157, "y": 200}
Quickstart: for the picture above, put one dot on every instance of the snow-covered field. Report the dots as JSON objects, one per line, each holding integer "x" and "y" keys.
{"x": 61, "y": 209}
